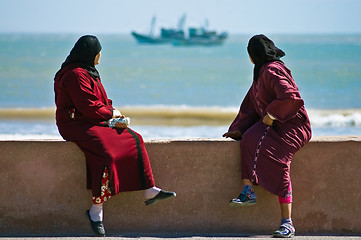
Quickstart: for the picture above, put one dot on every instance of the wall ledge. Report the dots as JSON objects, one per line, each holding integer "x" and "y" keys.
{"x": 43, "y": 190}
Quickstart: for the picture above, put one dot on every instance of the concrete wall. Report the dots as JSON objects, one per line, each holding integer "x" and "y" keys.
{"x": 43, "y": 192}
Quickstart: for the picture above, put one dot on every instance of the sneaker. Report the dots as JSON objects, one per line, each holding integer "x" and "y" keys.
{"x": 286, "y": 230}
{"x": 244, "y": 199}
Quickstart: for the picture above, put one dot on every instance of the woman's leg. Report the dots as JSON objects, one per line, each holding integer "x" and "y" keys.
{"x": 286, "y": 210}
{"x": 286, "y": 229}
{"x": 96, "y": 212}
{"x": 286, "y": 204}
{"x": 95, "y": 215}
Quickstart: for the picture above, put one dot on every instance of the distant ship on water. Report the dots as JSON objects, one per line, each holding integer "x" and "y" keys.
{"x": 176, "y": 36}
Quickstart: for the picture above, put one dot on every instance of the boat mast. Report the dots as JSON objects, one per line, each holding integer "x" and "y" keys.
{"x": 206, "y": 24}
{"x": 181, "y": 22}
{"x": 152, "y": 25}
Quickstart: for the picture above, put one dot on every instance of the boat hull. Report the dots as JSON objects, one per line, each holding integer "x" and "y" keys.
{"x": 148, "y": 39}
{"x": 198, "y": 42}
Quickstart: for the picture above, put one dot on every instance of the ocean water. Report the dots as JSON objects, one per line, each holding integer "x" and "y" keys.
{"x": 159, "y": 79}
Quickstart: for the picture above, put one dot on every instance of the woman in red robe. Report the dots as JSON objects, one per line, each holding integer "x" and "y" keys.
{"x": 272, "y": 125}
{"x": 116, "y": 158}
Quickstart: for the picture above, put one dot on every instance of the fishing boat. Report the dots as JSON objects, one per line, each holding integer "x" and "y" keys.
{"x": 167, "y": 35}
{"x": 196, "y": 36}
{"x": 202, "y": 37}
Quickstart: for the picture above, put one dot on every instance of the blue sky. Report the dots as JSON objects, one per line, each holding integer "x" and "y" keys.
{"x": 234, "y": 16}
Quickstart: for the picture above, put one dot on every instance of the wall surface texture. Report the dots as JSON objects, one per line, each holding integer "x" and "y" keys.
{"x": 43, "y": 190}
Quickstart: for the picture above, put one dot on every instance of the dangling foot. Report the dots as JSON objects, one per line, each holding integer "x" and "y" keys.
{"x": 160, "y": 196}
{"x": 246, "y": 198}
{"x": 286, "y": 230}
{"x": 97, "y": 227}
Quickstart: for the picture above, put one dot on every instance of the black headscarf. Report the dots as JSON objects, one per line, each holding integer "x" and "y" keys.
{"x": 262, "y": 50}
{"x": 83, "y": 53}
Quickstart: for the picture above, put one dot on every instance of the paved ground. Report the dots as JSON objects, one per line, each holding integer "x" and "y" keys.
{"x": 185, "y": 238}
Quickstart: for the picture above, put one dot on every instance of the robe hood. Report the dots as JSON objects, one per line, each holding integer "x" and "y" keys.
{"x": 262, "y": 50}
{"x": 83, "y": 53}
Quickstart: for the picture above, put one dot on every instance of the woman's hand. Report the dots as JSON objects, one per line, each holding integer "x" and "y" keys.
{"x": 117, "y": 114}
{"x": 267, "y": 120}
{"x": 120, "y": 125}
{"x": 236, "y": 135}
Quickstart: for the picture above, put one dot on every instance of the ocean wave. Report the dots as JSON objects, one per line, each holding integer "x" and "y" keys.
{"x": 335, "y": 118}
{"x": 183, "y": 115}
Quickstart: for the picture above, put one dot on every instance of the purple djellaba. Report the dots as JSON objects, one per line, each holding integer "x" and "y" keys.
{"x": 272, "y": 125}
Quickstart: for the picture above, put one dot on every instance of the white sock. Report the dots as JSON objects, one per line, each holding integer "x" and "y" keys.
{"x": 96, "y": 213}
{"x": 151, "y": 192}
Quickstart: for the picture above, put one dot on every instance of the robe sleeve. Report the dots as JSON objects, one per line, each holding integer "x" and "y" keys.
{"x": 110, "y": 102}
{"x": 288, "y": 100}
{"x": 85, "y": 100}
{"x": 246, "y": 116}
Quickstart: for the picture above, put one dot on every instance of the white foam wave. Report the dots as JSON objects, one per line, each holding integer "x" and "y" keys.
{"x": 335, "y": 118}
{"x": 168, "y": 115}
{"x": 201, "y": 123}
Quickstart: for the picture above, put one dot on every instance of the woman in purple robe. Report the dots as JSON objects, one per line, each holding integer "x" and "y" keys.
{"x": 272, "y": 125}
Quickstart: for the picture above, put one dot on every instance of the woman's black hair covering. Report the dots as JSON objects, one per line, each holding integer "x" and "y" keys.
{"x": 83, "y": 53}
{"x": 262, "y": 50}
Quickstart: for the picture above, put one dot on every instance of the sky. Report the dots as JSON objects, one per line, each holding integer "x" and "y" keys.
{"x": 234, "y": 16}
